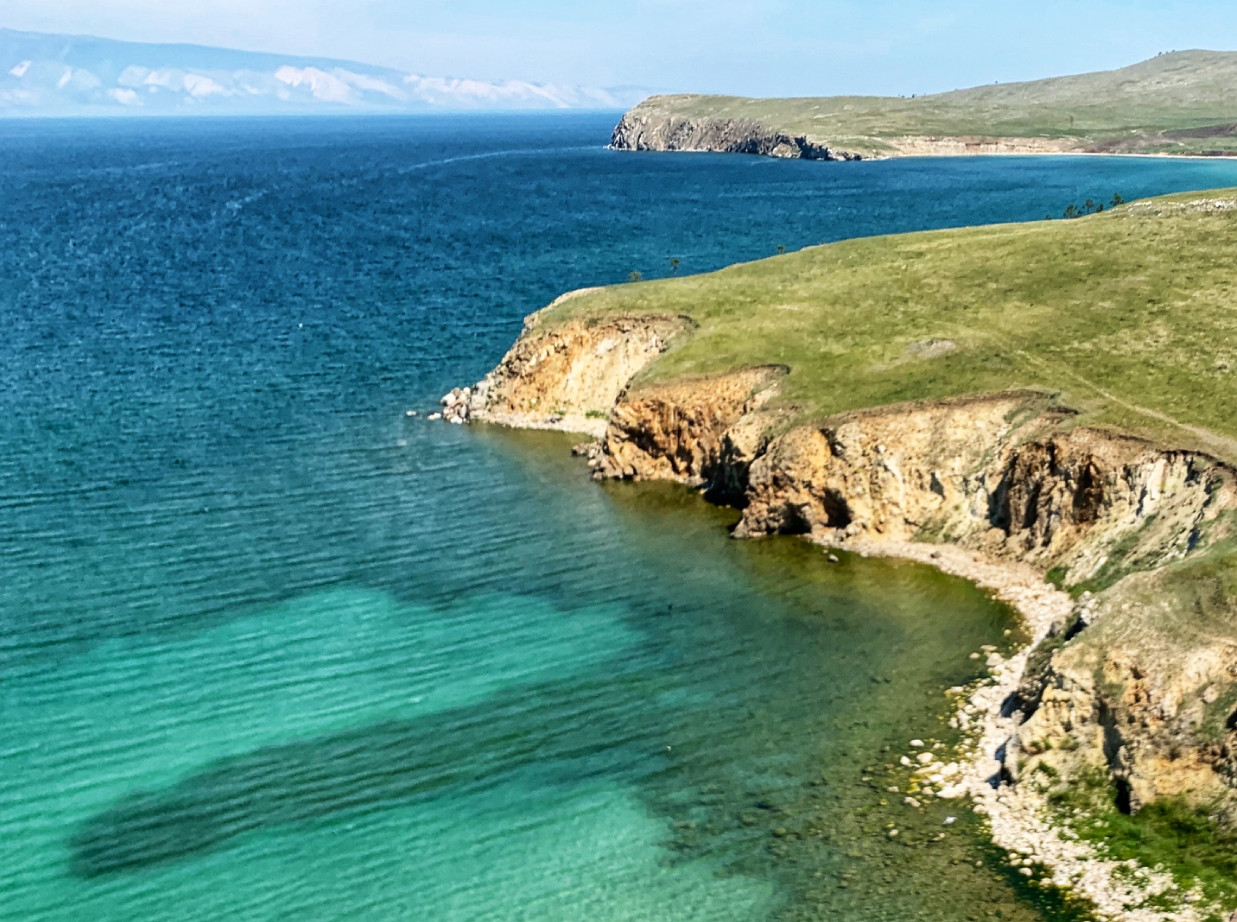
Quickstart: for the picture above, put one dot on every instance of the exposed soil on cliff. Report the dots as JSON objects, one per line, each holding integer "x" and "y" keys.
{"x": 571, "y": 378}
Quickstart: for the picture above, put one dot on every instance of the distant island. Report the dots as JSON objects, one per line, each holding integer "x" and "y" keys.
{"x": 44, "y": 74}
{"x": 1180, "y": 103}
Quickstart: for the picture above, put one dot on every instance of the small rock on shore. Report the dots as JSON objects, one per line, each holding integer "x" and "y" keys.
{"x": 456, "y": 406}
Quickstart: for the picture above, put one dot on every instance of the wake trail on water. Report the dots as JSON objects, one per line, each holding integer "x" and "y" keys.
{"x": 490, "y": 155}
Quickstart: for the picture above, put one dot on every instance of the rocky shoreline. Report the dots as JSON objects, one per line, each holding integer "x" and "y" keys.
{"x": 1017, "y": 818}
{"x": 1007, "y": 489}
{"x": 637, "y": 132}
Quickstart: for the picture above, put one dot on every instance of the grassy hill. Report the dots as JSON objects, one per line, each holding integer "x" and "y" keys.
{"x": 1129, "y": 315}
{"x": 1184, "y": 102}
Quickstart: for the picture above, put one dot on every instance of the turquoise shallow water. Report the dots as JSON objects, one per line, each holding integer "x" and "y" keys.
{"x": 269, "y": 649}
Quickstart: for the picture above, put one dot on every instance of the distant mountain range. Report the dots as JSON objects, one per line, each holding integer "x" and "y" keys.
{"x": 46, "y": 74}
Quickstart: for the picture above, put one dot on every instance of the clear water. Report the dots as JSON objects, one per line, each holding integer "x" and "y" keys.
{"x": 270, "y": 650}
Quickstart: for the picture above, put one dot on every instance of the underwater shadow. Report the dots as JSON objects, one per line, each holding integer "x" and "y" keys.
{"x": 370, "y": 769}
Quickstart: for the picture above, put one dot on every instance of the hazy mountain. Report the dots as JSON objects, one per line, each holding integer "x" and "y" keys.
{"x": 44, "y": 74}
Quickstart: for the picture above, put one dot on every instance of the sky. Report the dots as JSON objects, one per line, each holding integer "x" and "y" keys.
{"x": 744, "y": 47}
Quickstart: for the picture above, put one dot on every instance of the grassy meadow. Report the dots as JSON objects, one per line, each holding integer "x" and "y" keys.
{"x": 1128, "y": 316}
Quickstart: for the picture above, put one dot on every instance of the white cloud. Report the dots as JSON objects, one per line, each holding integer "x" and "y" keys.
{"x": 253, "y": 83}
{"x": 167, "y": 78}
{"x": 323, "y": 86}
{"x": 225, "y": 84}
{"x": 451, "y": 92}
{"x": 199, "y": 86}
{"x": 372, "y": 84}
{"x": 125, "y": 97}
{"x": 20, "y": 70}
{"x": 133, "y": 75}
{"x": 77, "y": 78}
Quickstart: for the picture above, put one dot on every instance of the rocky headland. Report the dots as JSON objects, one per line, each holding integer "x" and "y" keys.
{"x": 1179, "y": 103}
{"x": 650, "y": 128}
{"x": 1004, "y": 489}
{"x": 644, "y": 130}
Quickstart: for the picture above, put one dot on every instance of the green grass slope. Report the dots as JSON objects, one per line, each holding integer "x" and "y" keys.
{"x": 1130, "y": 316}
{"x": 1184, "y": 102}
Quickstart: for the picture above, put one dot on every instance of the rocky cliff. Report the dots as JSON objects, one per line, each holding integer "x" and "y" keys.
{"x": 661, "y": 124}
{"x": 571, "y": 376}
{"x": 648, "y": 128}
{"x": 639, "y": 130}
{"x": 1137, "y": 685}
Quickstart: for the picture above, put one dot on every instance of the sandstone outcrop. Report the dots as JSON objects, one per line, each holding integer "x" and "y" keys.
{"x": 571, "y": 376}
{"x": 703, "y": 433}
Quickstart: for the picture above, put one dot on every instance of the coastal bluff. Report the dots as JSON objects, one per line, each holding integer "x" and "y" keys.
{"x": 1001, "y": 489}
{"x": 646, "y": 129}
{"x": 1174, "y": 104}
{"x": 935, "y": 396}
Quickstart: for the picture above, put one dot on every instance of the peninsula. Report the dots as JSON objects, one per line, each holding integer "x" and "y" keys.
{"x": 1046, "y": 408}
{"x": 1180, "y": 103}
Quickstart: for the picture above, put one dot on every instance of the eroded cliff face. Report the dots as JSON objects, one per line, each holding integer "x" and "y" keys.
{"x": 571, "y": 376}
{"x": 1143, "y": 694}
{"x": 1139, "y": 685}
{"x": 702, "y": 433}
{"x": 640, "y": 131}
{"x": 1006, "y": 475}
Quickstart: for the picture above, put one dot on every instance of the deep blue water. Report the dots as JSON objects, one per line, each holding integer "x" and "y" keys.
{"x": 269, "y": 649}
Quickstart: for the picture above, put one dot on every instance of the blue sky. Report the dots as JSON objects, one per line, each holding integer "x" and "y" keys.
{"x": 775, "y": 47}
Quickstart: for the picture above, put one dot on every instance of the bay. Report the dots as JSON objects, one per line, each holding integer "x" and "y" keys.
{"x": 271, "y": 649}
